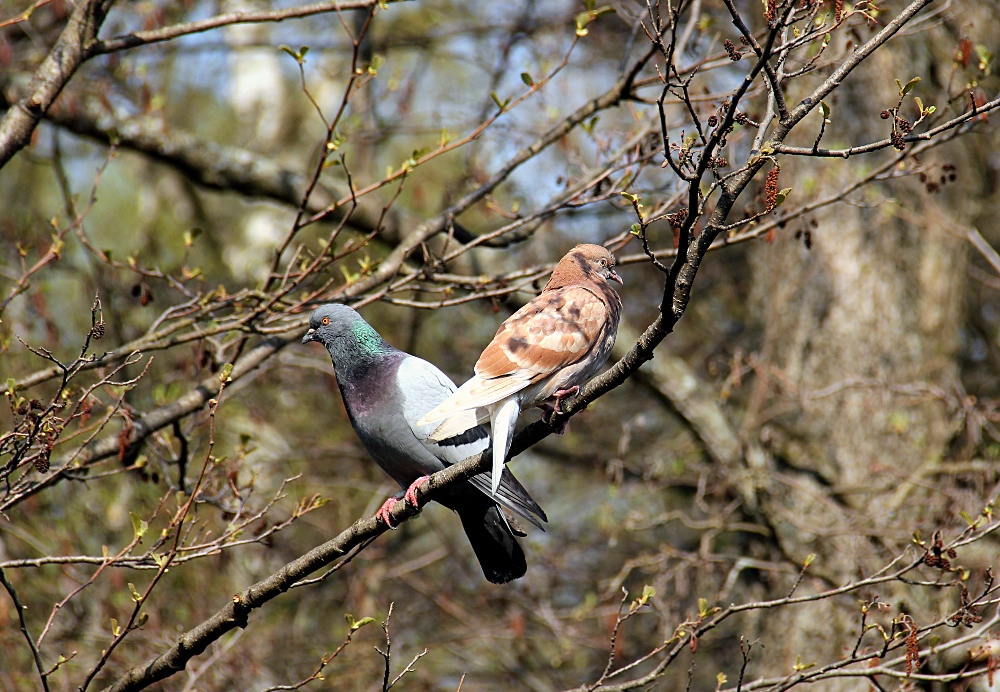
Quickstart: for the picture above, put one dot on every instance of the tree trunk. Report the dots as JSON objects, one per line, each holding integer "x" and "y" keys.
{"x": 860, "y": 336}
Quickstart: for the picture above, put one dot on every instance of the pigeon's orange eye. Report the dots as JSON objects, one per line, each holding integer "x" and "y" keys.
{"x": 326, "y": 320}
{"x": 604, "y": 263}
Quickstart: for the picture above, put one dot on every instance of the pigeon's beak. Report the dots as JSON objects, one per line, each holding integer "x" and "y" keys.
{"x": 613, "y": 275}
{"x": 309, "y": 336}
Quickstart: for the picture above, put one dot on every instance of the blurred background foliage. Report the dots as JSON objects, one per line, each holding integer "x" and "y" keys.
{"x": 633, "y": 495}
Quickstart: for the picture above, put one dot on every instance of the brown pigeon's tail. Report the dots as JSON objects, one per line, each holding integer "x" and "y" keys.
{"x": 499, "y": 554}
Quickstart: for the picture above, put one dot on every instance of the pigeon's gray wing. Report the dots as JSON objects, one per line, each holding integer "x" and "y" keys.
{"x": 423, "y": 387}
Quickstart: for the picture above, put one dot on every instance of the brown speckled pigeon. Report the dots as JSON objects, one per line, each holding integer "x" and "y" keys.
{"x": 542, "y": 352}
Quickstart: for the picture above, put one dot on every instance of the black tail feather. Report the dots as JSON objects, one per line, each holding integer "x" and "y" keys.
{"x": 499, "y": 554}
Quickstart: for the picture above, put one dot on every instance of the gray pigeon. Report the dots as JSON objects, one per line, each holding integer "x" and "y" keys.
{"x": 386, "y": 391}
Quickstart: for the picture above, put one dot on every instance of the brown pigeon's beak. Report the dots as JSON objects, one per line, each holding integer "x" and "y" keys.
{"x": 309, "y": 336}
{"x": 613, "y": 275}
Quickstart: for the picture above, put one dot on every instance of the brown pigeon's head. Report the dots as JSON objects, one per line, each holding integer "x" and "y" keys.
{"x": 584, "y": 264}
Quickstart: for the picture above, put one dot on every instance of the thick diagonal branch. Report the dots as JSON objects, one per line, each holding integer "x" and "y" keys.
{"x": 68, "y": 53}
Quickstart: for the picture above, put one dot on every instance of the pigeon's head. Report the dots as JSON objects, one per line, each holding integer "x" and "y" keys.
{"x": 330, "y": 322}
{"x": 585, "y": 263}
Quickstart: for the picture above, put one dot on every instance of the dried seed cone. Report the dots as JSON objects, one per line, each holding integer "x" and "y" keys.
{"x": 41, "y": 462}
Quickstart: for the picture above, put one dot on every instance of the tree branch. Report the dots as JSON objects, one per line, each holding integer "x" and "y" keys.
{"x": 56, "y": 69}
{"x": 145, "y": 38}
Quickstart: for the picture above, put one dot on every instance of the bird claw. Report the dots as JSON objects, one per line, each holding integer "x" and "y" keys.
{"x": 411, "y": 492}
{"x": 561, "y": 394}
{"x": 550, "y": 411}
{"x": 385, "y": 513}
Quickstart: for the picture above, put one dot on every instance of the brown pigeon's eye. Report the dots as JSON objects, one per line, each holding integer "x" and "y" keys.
{"x": 604, "y": 263}
{"x": 326, "y": 320}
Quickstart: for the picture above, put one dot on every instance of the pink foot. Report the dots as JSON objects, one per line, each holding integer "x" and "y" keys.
{"x": 411, "y": 492}
{"x": 559, "y": 395}
{"x": 385, "y": 512}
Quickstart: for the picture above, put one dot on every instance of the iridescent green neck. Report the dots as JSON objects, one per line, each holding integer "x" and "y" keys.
{"x": 368, "y": 339}
{"x": 356, "y": 351}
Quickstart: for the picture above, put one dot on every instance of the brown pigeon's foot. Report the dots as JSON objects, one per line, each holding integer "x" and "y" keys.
{"x": 547, "y": 413}
{"x": 411, "y": 492}
{"x": 561, "y": 394}
{"x": 550, "y": 411}
{"x": 385, "y": 512}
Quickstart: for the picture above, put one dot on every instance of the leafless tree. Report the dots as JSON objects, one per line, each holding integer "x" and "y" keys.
{"x": 718, "y": 125}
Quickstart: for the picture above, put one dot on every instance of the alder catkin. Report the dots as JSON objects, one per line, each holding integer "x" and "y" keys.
{"x": 771, "y": 189}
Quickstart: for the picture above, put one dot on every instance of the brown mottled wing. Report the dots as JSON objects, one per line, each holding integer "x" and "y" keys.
{"x": 553, "y": 331}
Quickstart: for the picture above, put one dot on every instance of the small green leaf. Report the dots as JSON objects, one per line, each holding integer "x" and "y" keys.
{"x": 930, "y": 109}
{"x": 809, "y": 559}
{"x": 825, "y": 107}
{"x": 115, "y": 629}
{"x": 968, "y": 517}
{"x": 985, "y": 58}
{"x": 11, "y": 385}
{"x": 800, "y": 666}
{"x": 190, "y": 236}
{"x": 136, "y": 596}
{"x": 585, "y": 18}
{"x": 160, "y": 560}
{"x": 636, "y": 229}
{"x": 647, "y": 593}
{"x": 355, "y": 625}
{"x": 349, "y": 276}
{"x": 139, "y": 526}
{"x": 291, "y": 51}
{"x": 496, "y": 99}
{"x": 226, "y": 371}
{"x": 143, "y": 619}
{"x": 782, "y": 194}
{"x": 526, "y": 78}
{"x": 362, "y": 622}
{"x": 702, "y": 607}
{"x": 376, "y": 63}
{"x": 904, "y": 89}
{"x": 303, "y": 50}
